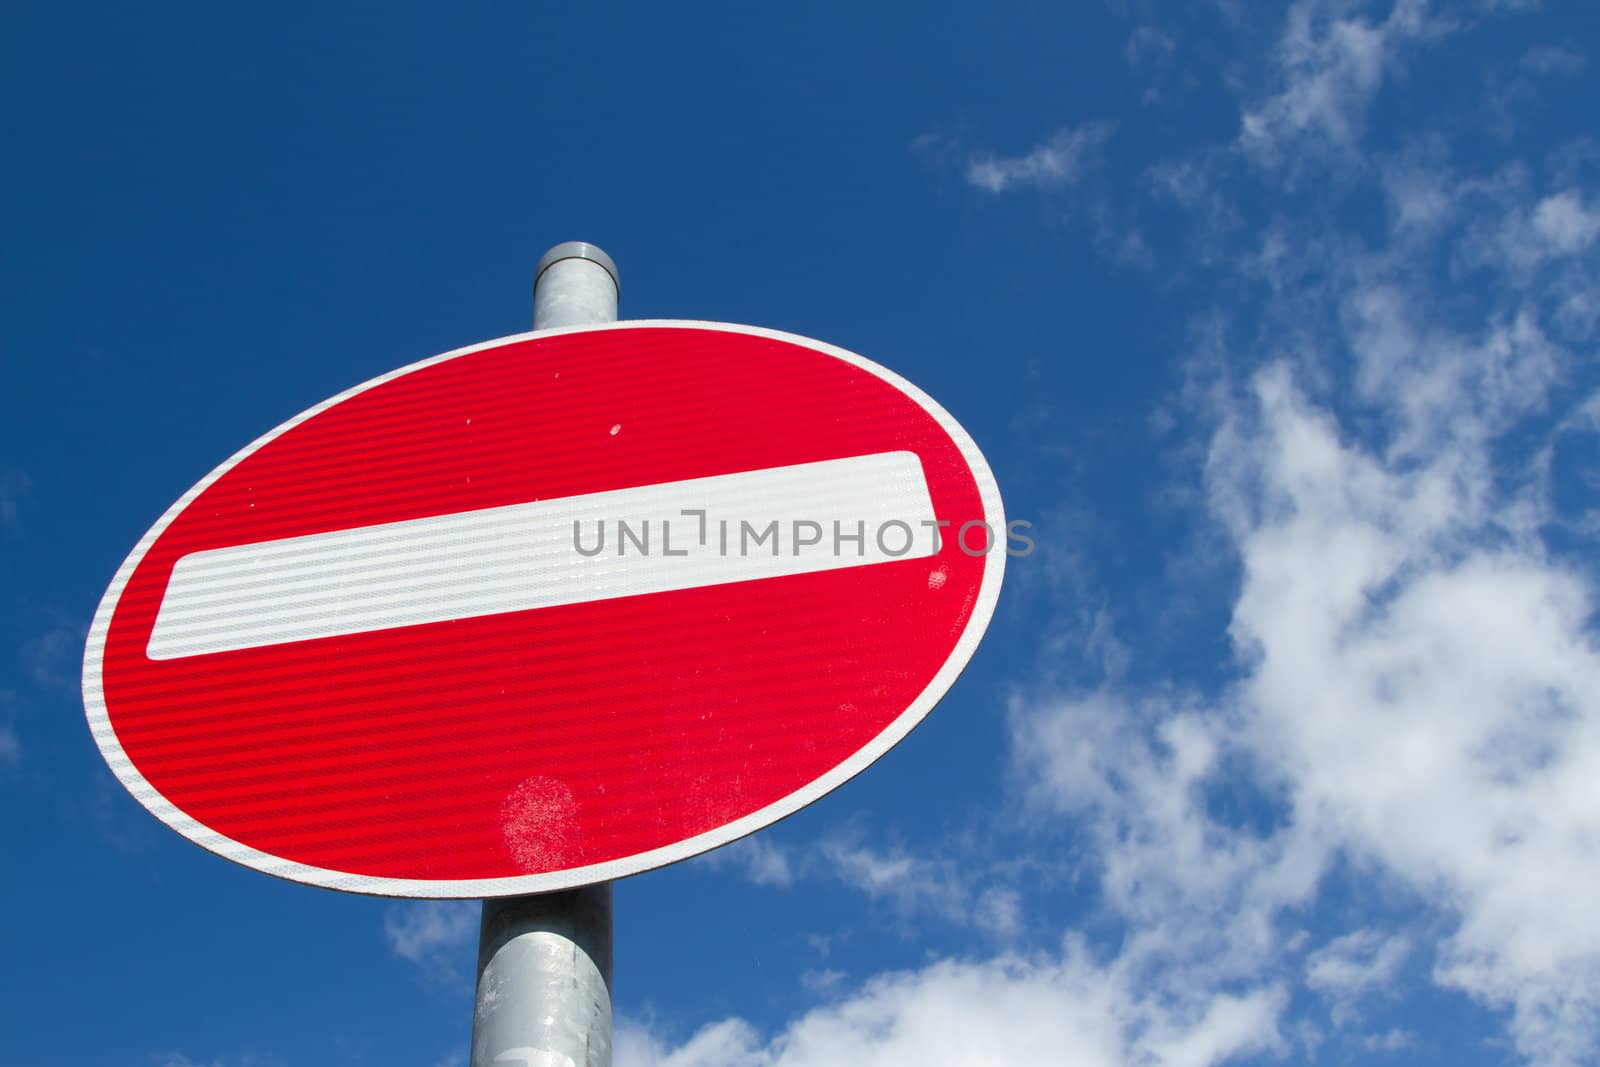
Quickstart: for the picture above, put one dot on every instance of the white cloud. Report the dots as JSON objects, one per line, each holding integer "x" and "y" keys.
{"x": 1423, "y": 684}
{"x": 1554, "y": 60}
{"x": 1416, "y": 693}
{"x": 1418, "y": 198}
{"x": 1331, "y": 66}
{"x": 759, "y": 860}
{"x": 1418, "y": 671}
{"x": 53, "y": 658}
{"x": 116, "y": 817}
{"x": 913, "y": 882}
{"x": 730, "y": 1043}
{"x": 1565, "y": 223}
{"x": 1391, "y": 1040}
{"x": 823, "y": 981}
{"x": 1356, "y": 966}
{"x": 14, "y": 487}
{"x": 1535, "y": 234}
{"x": 914, "y": 885}
{"x": 1060, "y": 160}
{"x": 436, "y": 935}
{"x": 1059, "y": 1009}
{"x": 1148, "y": 46}
{"x": 1133, "y": 772}
{"x": 998, "y": 910}
{"x": 1356, "y": 963}
{"x": 245, "y": 1059}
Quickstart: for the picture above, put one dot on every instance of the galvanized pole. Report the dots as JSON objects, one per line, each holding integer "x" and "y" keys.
{"x": 575, "y": 285}
{"x": 544, "y": 961}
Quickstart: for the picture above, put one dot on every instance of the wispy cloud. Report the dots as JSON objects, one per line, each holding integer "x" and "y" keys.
{"x": 948, "y": 887}
{"x": 1060, "y": 160}
{"x": 1561, "y": 224}
{"x": 1392, "y": 1040}
{"x": 1555, "y": 60}
{"x": 116, "y": 818}
{"x": 1415, "y": 667}
{"x": 52, "y": 659}
{"x": 435, "y": 935}
{"x": 10, "y": 747}
{"x": 10, "y": 742}
{"x": 14, "y": 487}
{"x": 1331, "y": 64}
{"x": 243, "y": 1059}
{"x": 1008, "y": 1010}
{"x": 1356, "y": 963}
{"x": 758, "y": 860}
{"x": 921, "y": 885}
{"x": 1421, "y": 687}
{"x": 1355, "y": 966}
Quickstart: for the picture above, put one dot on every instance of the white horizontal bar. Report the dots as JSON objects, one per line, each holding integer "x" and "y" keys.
{"x": 524, "y": 556}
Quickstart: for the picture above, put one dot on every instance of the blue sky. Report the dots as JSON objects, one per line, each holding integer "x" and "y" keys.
{"x": 1278, "y": 322}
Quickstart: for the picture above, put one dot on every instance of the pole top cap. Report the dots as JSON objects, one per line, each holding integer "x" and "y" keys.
{"x": 577, "y": 250}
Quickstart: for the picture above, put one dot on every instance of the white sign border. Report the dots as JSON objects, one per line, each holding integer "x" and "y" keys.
{"x": 517, "y": 885}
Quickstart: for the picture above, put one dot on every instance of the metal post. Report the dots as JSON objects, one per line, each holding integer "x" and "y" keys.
{"x": 576, "y": 285}
{"x": 544, "y": 961}
{"x": 544, "y": 981}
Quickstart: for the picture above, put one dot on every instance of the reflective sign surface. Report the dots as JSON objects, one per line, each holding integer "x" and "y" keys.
{"x": 547, "y": 611}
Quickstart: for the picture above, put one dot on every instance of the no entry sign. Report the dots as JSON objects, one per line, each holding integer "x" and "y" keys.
{"x": 547, "y": 611}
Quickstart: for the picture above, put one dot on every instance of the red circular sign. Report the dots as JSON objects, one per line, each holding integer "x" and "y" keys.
{"x": 547, "y": 611}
